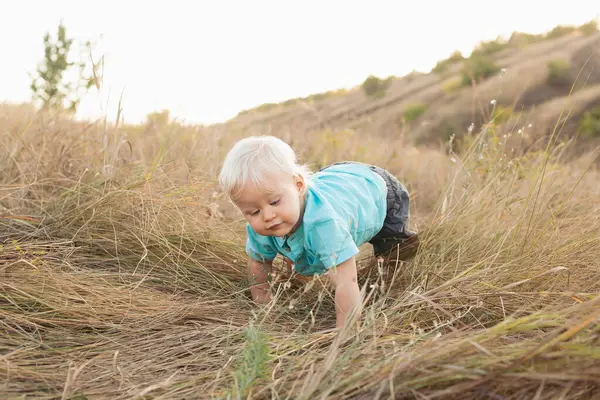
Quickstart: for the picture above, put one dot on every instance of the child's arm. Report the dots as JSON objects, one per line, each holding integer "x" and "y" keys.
{"x": 347, "y": 293}
{"x": 258, "y": 275}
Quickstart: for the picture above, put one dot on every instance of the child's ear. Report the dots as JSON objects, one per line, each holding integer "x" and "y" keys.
{"x": 300, "y": 183}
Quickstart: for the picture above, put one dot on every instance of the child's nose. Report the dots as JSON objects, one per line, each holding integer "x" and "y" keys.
{"x": 268, "y": 214}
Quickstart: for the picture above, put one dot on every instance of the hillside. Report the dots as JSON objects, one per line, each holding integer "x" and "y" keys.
{"x": 529, "y": 87}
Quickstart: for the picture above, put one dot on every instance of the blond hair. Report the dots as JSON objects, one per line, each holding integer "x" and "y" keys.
{"x": 252, "y": 159}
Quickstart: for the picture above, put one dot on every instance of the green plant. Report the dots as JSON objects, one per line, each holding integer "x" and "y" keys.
{"x": 376, "y": 87}
{"x": 487, "y": 48}
{"x": 49, "y": 85}
{"x": 560, "y": 30}
{"x": 449, "y": 128}
{"x": 558, "y": 72}
{"x": 523, "y": 39}
{"x": 253, "y": 362}
{"x": 443, "y": 65}
{"x": 501, "y": 114}
{"x": 414, "y": 111}
{"x": 477, "y": 68}
{"x": 589, "y": 124}
{"x": 451, "y": 85}
{"x": 589, "y": 28}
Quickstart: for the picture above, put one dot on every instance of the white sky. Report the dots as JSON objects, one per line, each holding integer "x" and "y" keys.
{"x": 207, "y": 60}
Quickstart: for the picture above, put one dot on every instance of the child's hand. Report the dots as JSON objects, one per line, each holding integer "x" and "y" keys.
{"x": 347, "y": 293}
{"x": 258, "y": 274}
{"x": 290, "y": 265}
{"x": 262, "y": 297}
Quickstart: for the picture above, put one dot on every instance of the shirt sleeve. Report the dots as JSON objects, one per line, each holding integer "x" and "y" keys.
{"x": 331, "y": 242}
{"x": 259, "y": 247}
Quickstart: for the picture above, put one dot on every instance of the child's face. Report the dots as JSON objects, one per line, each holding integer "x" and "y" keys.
{"x": 274, "y": 210}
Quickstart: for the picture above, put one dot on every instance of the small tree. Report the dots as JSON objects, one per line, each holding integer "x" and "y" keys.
{"x": 49, "y": 85}
{"x": 477, "y": 68}
{"x": 375, "y": 87}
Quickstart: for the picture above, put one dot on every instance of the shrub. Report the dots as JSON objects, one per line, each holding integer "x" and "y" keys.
{"x": 455, "y": 57}
{"x": 589, "y": 28}
{"x": 523, "y": 39}
{"x": 376, "y": 87}
{"x": 443, "y": 65}
{"x": 478, "y": 68}
{"x": 414, "y": 111}
{"x": 589, "y": 124}
{"x": 560, "y": 30}
{"x": 489, "y": 47}
{"x": 449, "y": 128}
{"x": 451, "y": 85}
{"x": 558, "y": 72}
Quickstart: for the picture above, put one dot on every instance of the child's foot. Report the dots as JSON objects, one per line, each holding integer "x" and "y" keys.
{"x": 406, "y": 250}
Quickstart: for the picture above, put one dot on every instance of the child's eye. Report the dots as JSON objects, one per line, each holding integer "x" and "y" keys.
{"x": 254, "y": 213}
{"x": 275, "y": 202}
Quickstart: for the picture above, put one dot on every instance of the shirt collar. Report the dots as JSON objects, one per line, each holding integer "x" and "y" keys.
{"x": 293, "y": 239}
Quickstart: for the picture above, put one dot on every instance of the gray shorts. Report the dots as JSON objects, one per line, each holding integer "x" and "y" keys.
{"x": 395, "y": 226}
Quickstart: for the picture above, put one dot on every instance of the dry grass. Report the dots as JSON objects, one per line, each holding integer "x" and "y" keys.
{"x": 121, "y": 278}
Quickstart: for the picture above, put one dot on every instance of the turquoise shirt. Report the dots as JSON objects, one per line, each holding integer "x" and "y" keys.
{"x": 345, "y": 207}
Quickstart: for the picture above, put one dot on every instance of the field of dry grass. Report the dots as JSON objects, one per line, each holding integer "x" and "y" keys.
{"x": 122, "y": 273}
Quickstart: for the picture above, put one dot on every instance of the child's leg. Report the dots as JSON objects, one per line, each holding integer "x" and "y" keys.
{"x": 401, "y": 250}
{"x": 395, "y": 241}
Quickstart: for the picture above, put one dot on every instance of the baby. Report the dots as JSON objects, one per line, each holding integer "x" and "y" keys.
{"x": 317, "y": 221}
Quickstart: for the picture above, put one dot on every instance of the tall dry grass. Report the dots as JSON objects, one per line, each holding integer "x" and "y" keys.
{"x": 122, "y": 273}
